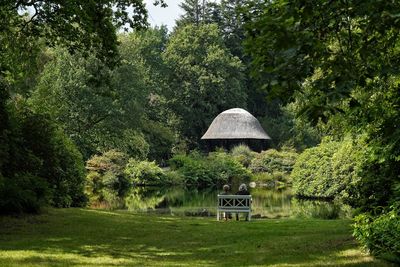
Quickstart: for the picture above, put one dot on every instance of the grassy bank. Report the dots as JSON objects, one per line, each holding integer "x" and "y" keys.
{"x": 82, "y": 237}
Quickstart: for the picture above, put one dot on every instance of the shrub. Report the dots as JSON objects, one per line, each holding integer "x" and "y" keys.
{"x": 226, "y": 168}
{"x": 243, "y": 154}
{"x": 144, "y": 173}
{"x": 202, "y": 171}
{"x": 43, "y": 165}
{"x": 312, "y": 173}
{"x": 315, "y": 209}
{"x": 380, "y": 235}
{"x": 23, "y": 193}
{"x": 174, "y": 177}
{"x": 272, "y": 160}
{"x": 265, "y": 177}
{"x": 330, "y": 170}
{"x": 347, "y": 164}
{"x": 195, "y": 171}
{"x": 106, "y": 180}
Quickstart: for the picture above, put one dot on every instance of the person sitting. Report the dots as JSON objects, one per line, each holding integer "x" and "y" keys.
{"x": 242, "y": 191}
{"x": 226, "y": 215}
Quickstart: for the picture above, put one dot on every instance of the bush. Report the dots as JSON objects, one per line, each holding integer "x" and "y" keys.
{"x": 23, "y": 193}
{"x": 43, "y": 165}
{"x": 215, "y": 169}
{"x": 272, "y": 161}
{"x": 106, "y": 180}
{"x": 144, "y": 173}
{"x": 380, "y": 235}
{"x": 315, "y": 209}
{"x": 243, "y": 154}
{"x": 274, "y": 178}
{"x": 312, "y": 173}
{"x": 330, "y": 170}
{"x": 174, "y": 177}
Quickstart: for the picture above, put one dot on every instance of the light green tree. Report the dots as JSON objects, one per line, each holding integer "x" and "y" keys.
{"x": 82, "y": 95}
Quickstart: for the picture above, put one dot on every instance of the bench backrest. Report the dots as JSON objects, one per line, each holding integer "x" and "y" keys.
{"x": 236, "y": 202}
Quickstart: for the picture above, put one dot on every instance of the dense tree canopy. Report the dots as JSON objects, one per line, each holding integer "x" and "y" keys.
{"x": 339, "y": 61}
{"x": 39, "y": 165}
{"x": 205, "y": 78}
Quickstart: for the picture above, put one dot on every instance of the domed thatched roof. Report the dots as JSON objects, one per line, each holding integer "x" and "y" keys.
{"x": 235, "y": 123}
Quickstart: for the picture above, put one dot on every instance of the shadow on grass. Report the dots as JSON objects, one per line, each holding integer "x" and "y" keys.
{"x": 81, "y": 237}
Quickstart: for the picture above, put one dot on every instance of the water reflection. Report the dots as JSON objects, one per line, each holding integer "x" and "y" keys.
{"x": 267, "y": 203}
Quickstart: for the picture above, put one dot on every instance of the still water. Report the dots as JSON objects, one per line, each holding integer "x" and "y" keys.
{"x": 267, "y": 203}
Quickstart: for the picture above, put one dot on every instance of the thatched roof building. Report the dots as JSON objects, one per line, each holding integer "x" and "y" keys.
{"x": 235, "y": 126}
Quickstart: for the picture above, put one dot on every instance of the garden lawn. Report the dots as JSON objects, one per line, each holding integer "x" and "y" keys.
{"x": 84, "y": 237}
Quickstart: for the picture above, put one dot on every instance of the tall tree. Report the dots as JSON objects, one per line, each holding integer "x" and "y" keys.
{"x": 143, "y": 50}
{"x": 87, "y": 100}
{"x": 26, "y": 138}
{"x": 340, "y": 60}
{"x": 197, "y": 12}
{"x": 205, "y": 78}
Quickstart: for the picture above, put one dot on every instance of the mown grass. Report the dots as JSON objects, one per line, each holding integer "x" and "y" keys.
{"x": 84, "y": 237}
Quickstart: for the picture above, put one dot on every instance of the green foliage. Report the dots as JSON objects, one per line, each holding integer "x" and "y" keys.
{"x": 23, "y": 193}
{"x": 286, "y": 129}
{"x": 204, "y": 78}
{"x": 174, "y": 177}
{"x": 316, "y": 52}
{"x": 85, "y": 101}
{"x": 161, "y": 140}
{"x": 380, "y": 234}
{"x": 144, "y": 173}
{"x": 43, "y": 165}
{"x": 196, "y": 12}
{"x": 95, "y": 104}
{"x": 275, "y": 179}
{"x": 134, "y": 144}
{"x": 106, "y": 180}
{"x": 142, "y": 61}
{"x": 273, "y": 160}
{"x": 79, "y": 25}
{"x": 330, "y": 170}
{"x": 215, "y": 169}
{"x": 339, "y": 61}
{"x": 312, "y": 173}
{"x": 315, "y": 209}
{"x": 39, "y": 165}
{"x": 243, "y": 154}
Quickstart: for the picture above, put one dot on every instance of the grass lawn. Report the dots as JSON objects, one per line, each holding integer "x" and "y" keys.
{"x": 84, "y": 237}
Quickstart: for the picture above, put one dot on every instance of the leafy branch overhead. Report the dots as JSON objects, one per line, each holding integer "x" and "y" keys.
{"x": 78, "y": 24}
{"x": 335, "y": 46}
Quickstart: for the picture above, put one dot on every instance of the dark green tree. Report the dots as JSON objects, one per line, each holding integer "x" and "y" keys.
{"x": 25, "y": 27}
{"x": 198, "y": 12}
{"x": 340, "y": 60}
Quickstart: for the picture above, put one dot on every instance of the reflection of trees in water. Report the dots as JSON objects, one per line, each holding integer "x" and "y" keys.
{"x": 267, "y": 203}
{"x": 143, "y": 198}
{"x": 271, "y": 203}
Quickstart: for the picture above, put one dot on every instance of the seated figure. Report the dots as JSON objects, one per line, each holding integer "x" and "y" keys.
{"x": 242, "y": 191}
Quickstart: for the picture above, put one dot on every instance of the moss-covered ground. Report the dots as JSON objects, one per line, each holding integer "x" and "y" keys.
{"x": 84, "y": 237}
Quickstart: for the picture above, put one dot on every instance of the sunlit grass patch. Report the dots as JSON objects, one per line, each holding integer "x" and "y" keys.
{"x": 83, "y": 237}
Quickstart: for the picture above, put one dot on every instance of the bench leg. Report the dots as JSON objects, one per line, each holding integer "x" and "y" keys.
{"x": 217, "y": 215}
{"x": 249, "y": 216}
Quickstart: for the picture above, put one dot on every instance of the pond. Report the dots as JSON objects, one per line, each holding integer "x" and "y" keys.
{"x": 267, "y": 203}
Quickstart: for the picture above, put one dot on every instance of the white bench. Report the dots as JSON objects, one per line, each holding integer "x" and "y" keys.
{"x": 234, "y": 203}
